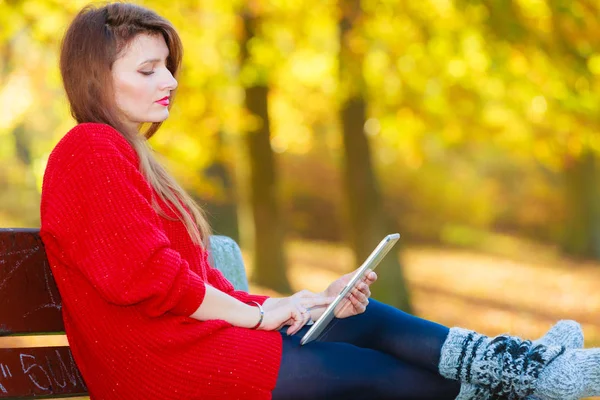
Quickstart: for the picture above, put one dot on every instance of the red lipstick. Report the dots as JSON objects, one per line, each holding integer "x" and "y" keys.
{"x": 164, "y": 101}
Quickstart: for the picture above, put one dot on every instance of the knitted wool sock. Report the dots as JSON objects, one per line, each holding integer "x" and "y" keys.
{"x": 573, "y": 375}
{"x": 506, "y": 366}
{"x": 566, "y": 333}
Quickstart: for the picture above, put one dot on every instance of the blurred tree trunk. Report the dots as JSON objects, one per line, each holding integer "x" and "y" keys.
{"x": 368, "y": 222}
{"x": 22, "y": 145}
{"x": 268, "y": 252}
{"x": 582, "y": 231}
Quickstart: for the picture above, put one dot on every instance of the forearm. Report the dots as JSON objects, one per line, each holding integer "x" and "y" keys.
{"x": 220, "y": 305}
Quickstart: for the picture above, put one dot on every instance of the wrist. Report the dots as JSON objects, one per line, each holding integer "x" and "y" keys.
{"x": 261, "y": 315}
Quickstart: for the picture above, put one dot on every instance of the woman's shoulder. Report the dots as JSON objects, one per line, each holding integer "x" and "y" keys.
{"x": 93, "y": 140}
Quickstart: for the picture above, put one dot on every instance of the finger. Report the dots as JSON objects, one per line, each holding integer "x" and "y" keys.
{"x": 366, "y": 292}
{"x": 297, "y": 325}
{"x": 370, "y": 277}
{"x": 316, "y": 302}
{"x": 344, "y": 305}
{"x": 299, "y": 321}
{"x": 292, "y": 328}
{"x": 286, "y": 323}
{"x": 364, "y": 288}
{"x": 359, "y": 306}
{"x": 362, "y": 299}
{"x": 360, "y": 296}
{"x": 306, "y": 316}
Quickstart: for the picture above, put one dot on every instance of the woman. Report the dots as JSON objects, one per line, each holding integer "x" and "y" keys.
{"x": 148, "y": 318}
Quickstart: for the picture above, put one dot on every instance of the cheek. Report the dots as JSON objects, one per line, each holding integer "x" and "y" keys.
{"x": 131, "y": 95}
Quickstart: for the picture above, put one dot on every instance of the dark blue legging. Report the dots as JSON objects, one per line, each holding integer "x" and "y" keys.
{"x": 383, "y": 353}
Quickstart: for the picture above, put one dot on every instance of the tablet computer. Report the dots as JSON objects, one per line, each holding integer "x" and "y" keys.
{"x": 370, "y": 263}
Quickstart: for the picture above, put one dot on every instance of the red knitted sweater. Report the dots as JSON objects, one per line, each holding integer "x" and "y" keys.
{"x": 130, "y": 278}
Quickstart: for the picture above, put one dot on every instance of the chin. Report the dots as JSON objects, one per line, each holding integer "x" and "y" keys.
{"x": 158, "y": 118}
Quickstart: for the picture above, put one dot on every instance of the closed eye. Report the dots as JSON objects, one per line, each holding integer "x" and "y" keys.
{"x": 146, "y": 72}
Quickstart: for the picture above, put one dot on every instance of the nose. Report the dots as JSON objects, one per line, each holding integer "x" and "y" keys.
{"x": 169, "y": 82}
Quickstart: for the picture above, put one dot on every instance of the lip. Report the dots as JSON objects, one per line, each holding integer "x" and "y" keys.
{"x": 164, "y": 101}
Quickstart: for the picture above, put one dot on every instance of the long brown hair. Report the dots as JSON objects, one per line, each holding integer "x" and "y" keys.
{"x": 90, "y": 46}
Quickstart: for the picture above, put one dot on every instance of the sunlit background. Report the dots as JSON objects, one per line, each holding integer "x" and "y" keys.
{"x": 309, "y": 129}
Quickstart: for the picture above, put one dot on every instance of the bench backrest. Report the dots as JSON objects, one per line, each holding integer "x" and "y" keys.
{"x": 30, "y": 304}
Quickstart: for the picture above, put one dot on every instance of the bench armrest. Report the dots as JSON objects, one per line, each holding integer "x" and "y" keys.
{"x": 226, "y": 256}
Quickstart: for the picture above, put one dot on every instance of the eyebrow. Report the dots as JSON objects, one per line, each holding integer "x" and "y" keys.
{"x": 151, "y": 60}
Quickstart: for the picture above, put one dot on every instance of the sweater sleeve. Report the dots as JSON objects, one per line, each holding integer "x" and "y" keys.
{"x": 98, "y": 208}
{"x": 218, "y": 280}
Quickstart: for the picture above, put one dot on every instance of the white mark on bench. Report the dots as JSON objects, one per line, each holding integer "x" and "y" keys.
{"x": 28, "y": 253}
{"x": 6, "y": 373}
{"x": 51, "y": 377}
{"x": 49, "y": 362}
{"x": 72, "y": 375}
{"x": 52, "y": 304}
{"x": 31, "y": 375}
{"x": 49, "y": 289}
{"x": 76, "y": 373}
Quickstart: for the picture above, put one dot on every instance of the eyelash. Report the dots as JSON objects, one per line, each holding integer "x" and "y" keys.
{"x": 146, "y": 72}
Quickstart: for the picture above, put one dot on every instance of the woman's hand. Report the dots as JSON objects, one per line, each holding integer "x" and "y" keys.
{"x": 357, "y": 299}
{"x": 305, "y": 305}
{"x": 293, "y": 311}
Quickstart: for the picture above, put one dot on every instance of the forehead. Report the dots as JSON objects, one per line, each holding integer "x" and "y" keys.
{"x": 144, "y": 47}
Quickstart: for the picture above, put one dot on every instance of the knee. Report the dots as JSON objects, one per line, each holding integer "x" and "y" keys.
{"x": 377, "y": 307}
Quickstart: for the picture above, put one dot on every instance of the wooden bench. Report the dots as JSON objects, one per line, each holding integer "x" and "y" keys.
{"x": 30, "y": 305}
